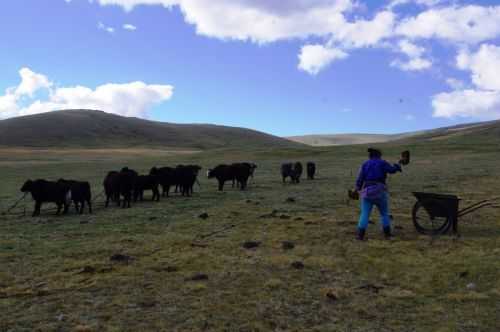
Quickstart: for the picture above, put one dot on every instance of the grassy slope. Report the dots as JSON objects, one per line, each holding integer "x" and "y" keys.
{"x": 412, "y": 283}
{"x": 95, "y": 129}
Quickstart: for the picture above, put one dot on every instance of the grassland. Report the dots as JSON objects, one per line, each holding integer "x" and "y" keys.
{"x": 56, "y": 273}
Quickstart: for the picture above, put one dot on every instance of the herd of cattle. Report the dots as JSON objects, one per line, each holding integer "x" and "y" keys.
{"x": 121, "y": 187}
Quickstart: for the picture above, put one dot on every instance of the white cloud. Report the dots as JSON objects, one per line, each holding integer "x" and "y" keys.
{"x": 31, "y": 82}
{"x": 484, "y": 105}
{"x": 410, "y": 49}
{"x": 129, "y": 27}
{"x": 313, "y": 58}
{"x": 459, "y": 24}
{"x": 363, "y": 33}
{"x": 417, "y": 64}
{"x": 483, "y": 65}
{"x": 260, "y": 21}
{"x": 416, "y": 61}
{"x": 428, "y": 3}
{"x": 409, "y": 117}
{"x": 267, "y": 21}
{"x": 455, "y": 84}
{"x": 102, "y": 26}
{"x": 129, "y": 99}
{"x": 483, "y": 102}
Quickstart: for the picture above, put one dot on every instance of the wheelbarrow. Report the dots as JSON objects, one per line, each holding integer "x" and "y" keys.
{"x": 434, "y": 214}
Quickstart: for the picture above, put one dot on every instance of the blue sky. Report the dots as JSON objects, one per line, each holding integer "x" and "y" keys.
{"x": 364, "y": 66}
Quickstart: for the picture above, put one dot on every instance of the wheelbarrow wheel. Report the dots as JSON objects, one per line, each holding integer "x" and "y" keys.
{"x": 429, "y": 223}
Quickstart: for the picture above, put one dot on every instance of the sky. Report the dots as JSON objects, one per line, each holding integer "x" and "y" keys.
{"x": 284, "y": 67}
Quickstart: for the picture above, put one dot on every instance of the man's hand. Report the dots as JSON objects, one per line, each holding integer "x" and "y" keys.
{"x": 354, "y": 194}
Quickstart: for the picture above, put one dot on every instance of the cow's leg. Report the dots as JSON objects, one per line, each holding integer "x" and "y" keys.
{"x": 75, "y": 203}
{"x": 82, "y": 206}
{"x": 107, "y": 201}
{"x": 66, "y": 208}
{"x": 38, "y": 206}
{"x": 59, "y": 205}
{"x": 89, "y": 203}
{"x": 221, "y": 185}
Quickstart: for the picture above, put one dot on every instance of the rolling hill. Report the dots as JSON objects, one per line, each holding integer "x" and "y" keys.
{"x": 90, "y": 128}
{"x": 482, "y": 131}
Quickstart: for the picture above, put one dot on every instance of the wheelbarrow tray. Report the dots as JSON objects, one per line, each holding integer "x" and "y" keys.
{"x": 439, "y": 205}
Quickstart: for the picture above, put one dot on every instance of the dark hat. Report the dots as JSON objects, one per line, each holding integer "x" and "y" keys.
{"x": 374, "y": 152}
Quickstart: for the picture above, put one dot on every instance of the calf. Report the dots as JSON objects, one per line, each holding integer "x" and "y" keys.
{"x": 311, "y": 170}
{"x": 80, "y": 193}
{"x": 44, "y": 191}
{"x": 146, "y": 182}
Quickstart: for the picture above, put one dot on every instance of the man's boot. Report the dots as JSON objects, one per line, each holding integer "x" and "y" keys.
{"x": 387, "y": 232}
{"x": 361, "y": 234}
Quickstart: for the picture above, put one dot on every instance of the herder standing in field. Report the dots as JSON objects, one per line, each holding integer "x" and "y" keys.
{"x": 371, "y": 184}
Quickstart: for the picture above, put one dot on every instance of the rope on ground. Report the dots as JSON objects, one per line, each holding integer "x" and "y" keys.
{"x": 99, "y": 195}
{"x": 221, "y": 230}
{"x": 13, "y": 206}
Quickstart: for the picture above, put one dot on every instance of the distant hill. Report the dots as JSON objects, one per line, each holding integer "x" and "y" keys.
{"x": 92, "y": 129}
{"x": 341, "y": 139}
{"x": 482, "y": 131}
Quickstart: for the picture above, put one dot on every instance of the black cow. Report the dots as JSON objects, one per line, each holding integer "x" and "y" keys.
{"x": 297, "y": 170}
{"x": 118, "y": 184}
{"x": 293, "y": 171}
{"x": 183, "y": 177}
{"x": 311, "y": 170}
{"x": 146, "y": 182}
{"x": 44, "y": 191}
{"x": 250, "y": 166}
{"x": 111, "y": 185}
{"x": 166, "y": 178}
{"x": 126, "y": 182}
{"x": 238, "y": 172}
{"x": 80, "y": 194}
{"x": 186, "y": 177}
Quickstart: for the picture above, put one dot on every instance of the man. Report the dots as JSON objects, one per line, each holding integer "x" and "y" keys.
{"x": 371, "y": 184}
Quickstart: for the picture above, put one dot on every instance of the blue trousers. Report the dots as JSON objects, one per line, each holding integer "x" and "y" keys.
{"x": 382, "y": 204}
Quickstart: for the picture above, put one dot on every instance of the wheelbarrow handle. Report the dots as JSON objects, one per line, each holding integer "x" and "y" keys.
{"x": 475, "y": 207}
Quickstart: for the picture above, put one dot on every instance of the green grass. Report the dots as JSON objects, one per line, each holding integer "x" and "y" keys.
{"x": 56, "y": 273}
